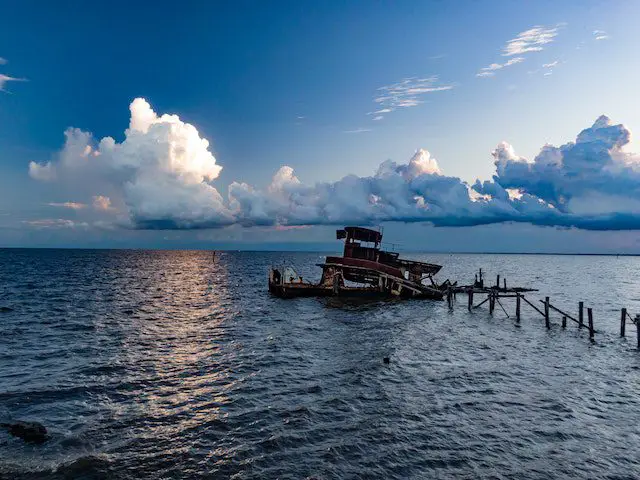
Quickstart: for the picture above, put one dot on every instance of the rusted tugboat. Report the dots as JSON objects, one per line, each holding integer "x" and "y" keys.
{"x": 363, "y": 270}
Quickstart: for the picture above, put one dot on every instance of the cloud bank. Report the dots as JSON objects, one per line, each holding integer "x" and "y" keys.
{"x": 162, "y": 176}
{"x": 532, "y": 40}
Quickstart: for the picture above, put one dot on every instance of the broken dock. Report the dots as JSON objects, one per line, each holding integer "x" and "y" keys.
{"x": 495, "y": 293}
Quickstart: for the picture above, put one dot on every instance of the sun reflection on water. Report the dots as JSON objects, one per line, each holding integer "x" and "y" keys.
{"x": 175, "y": 349}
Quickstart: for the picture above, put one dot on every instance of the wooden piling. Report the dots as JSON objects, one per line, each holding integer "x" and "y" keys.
{"x": 546, "y": 312}
{"x": 623, "y": 321}
{"x": 564, "y": 314}
{"x": 494, "y": 294}
{"x": 637, "y": 322}
{"x": 580, "y": 314}
{"x": 561, "y": 312}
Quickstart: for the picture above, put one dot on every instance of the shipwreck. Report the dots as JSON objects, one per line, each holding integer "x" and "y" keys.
{"x": 364, "y": 269}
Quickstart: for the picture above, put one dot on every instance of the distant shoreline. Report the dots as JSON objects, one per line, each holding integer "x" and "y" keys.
{"x": 253, "y": 250}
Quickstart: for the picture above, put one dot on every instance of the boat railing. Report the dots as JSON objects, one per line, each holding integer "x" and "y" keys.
{"x": 390, "y": 246}
{"x": 285, "y": 275}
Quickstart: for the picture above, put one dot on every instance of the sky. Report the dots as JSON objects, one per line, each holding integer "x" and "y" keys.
{"x": 458, "y": 126}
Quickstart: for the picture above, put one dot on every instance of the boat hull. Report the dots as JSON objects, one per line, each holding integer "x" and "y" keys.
{"x": 305, "y": 290}
{"x": 294, "y": 290}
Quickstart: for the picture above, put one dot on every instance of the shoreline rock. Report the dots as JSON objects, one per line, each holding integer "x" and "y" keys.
{"x": 30, "y": 432}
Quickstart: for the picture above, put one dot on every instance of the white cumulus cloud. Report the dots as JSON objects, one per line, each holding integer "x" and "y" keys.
{"x": 162, "y": 169}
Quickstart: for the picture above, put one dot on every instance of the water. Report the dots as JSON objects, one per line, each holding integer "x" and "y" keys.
{"x": 167, "y": 365}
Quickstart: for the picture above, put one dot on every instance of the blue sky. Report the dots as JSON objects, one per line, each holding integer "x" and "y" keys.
{"x": 294, "y": 83}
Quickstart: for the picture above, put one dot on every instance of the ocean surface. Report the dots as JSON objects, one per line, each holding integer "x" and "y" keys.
{"x": 165, "y": 364}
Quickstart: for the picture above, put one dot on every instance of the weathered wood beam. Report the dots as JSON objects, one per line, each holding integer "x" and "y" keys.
{"x": 560, "y": 311}
{"x": 505, "y": 312}
{"x": 482, "y": 302}
{"x": 532, "y": 305}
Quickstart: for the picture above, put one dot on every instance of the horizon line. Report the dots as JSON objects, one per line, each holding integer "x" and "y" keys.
{"x": 233, "y": 250}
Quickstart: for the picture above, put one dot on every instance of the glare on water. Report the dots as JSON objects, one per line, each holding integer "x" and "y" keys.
{"x": 167, "y": 364}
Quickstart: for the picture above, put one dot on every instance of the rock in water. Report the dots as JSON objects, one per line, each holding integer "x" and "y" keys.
{"x": 32, "y": 432}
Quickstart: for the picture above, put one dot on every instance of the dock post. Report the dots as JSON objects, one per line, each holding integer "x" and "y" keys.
{"x": 498, "y": 281}
{"x": 492, "y": 303}
{"x": 505, "y": 284}
{"x": 449, "y": 298}
{"x": 546, "y": 312}
{"x": 518, "y": 307}
{"x": 470, "y": 291}
{"x": 580, "y": 314}
{"x": 637, "y": 322}
{"x": 564, "y": 321}
{"x": 623, "y": 321}
{"x": 590, "y": 315}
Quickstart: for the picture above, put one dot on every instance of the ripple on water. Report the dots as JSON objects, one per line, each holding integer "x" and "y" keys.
{"x": 166, "y": 365}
